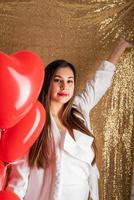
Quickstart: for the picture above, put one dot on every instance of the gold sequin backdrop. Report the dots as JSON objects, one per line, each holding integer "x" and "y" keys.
{"x": 85, "y": 32}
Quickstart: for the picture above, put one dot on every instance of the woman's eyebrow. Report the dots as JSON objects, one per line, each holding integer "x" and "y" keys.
{"x": 62, "y": 77}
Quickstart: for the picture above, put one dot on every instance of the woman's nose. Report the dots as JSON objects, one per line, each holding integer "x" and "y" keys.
{"x": 63, "y": 85}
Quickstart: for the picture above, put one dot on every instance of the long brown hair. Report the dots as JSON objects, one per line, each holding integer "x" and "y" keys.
{"x": 41, "y": 152}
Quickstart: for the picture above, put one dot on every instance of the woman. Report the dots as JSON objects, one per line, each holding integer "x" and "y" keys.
{"x": 61, "y": 164}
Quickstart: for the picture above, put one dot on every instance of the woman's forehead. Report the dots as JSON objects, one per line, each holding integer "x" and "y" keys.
{"x": 66, "y": 71}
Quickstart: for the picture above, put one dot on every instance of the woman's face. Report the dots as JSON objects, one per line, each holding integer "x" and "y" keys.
{"x": 62, "y": 88}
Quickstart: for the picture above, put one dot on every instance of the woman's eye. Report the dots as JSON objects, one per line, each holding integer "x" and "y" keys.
{"x": 60, "y": 81}
{"x": 57, "y": 80}
{"x": 70, "y": 81}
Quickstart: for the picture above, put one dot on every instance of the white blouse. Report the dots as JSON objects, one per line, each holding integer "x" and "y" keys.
{"x": 71, "y": 175}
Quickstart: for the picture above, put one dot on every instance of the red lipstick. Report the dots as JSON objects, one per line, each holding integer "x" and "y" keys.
{"x": 62, "y": 94}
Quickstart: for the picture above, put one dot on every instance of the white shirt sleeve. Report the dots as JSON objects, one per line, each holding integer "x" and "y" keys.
{"x": 18, "y": 181}
{"x": 96, "y": 88}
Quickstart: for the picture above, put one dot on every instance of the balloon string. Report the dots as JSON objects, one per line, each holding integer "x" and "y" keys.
{"x": 4, "y": 172}
{"x": 2, "y": 130}
{"x": 14, "y": 162}
{"x": 3, "y": 178}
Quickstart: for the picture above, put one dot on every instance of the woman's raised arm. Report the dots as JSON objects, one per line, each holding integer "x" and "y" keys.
{"x": 102, "y": 80}
{"x": 121, "y": 46}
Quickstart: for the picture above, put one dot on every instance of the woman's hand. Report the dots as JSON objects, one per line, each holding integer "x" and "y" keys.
{"x": 121, "y": 46}
{"x": 125, "y": 43}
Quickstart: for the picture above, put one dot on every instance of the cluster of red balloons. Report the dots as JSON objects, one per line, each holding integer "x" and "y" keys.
{"x": 22, "y": 117}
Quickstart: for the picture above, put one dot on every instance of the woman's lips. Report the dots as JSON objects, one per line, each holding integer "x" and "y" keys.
{"x": 63, "y": 94}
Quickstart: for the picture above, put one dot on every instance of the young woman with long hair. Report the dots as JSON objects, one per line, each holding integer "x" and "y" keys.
{"x": 61, "y": 164}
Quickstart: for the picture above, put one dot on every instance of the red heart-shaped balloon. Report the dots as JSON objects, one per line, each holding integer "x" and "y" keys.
{"x": 7, "y": 195}
{"x": 17, "y": 140}
{"x": 21, "y": 78}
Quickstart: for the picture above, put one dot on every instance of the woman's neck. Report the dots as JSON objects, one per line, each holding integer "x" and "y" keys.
{"x": 56, "y": 111}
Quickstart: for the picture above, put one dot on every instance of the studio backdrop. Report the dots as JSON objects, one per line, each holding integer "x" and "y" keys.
{"x": 84, "y": 32}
